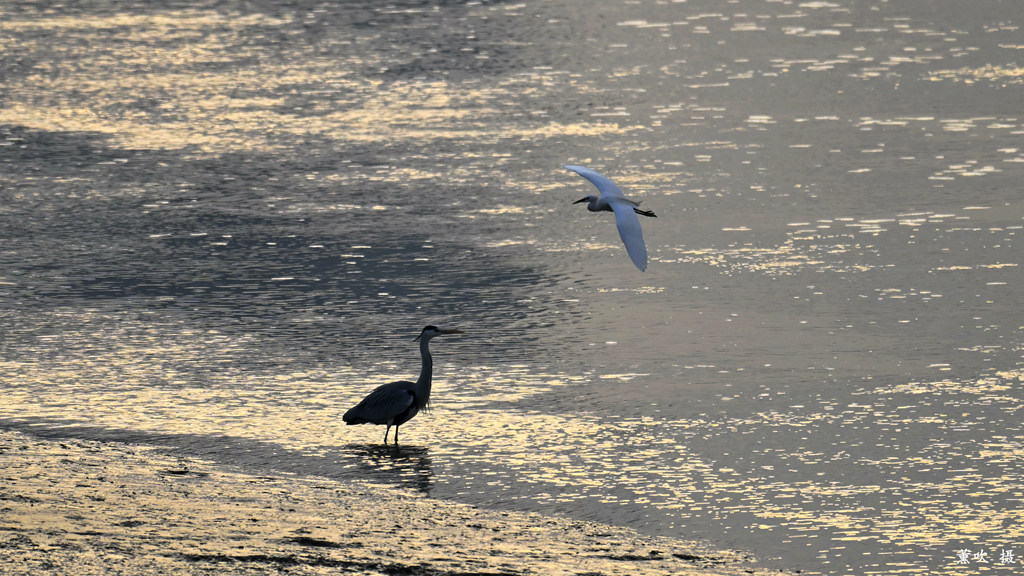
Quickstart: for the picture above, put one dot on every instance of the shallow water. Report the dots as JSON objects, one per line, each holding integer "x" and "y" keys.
{"x": 224, "y": 223}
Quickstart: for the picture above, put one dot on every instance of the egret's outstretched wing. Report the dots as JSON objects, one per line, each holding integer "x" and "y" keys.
{"x": 630, "y": 232}
{"x": 603, "y": 183}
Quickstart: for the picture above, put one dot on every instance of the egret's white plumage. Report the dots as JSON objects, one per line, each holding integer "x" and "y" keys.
{"x": 396, "y": 403}
{"x": 613, "y": 200}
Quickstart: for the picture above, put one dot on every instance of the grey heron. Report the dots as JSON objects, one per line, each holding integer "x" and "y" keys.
{"x": 613, "y": 200}
{"x": 396, "y": 403}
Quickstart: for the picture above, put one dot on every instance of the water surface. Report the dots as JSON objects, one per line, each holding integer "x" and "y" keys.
{"x": 224, "y": 223}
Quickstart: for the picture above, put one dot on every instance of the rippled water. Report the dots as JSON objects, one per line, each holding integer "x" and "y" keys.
{"x": 221, "y": 224}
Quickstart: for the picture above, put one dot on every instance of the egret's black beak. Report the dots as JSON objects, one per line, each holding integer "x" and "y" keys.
{"x": 582, "y": 200}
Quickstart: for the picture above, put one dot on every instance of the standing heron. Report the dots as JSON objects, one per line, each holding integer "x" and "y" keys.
{"x": 396, "y": 403}
{"x": 613, "y": 200}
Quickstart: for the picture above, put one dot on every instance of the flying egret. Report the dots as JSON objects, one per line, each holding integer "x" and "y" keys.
{"x": 612, "y": 200}
{"x": 396, "y": 403}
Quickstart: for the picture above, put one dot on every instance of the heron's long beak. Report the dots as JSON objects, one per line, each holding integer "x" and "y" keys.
{"x": 451, "y": 331}
{"x": 587, "y": 199}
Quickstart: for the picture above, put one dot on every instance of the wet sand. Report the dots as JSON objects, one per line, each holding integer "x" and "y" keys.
{"x": 85, "y": 507}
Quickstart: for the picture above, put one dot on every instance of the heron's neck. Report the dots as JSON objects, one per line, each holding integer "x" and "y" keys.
{"x": 423, "y": 383}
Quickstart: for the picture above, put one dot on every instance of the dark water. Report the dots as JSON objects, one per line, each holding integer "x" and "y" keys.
{"x": 223, "y": 223}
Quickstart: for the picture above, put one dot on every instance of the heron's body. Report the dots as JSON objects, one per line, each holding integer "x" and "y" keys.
{"x": 613, "y": 200}
{"x": 395, "y": 403}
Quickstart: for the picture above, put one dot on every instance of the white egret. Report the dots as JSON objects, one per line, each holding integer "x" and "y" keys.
{"x": 613, "y": 200}
{"x": 396, "y": 403}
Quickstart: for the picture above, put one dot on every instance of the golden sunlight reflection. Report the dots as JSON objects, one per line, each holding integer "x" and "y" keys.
{"x": 216, "y": 111}
{"x": 1004, "y": 75}
{"x": 814, "y": 246}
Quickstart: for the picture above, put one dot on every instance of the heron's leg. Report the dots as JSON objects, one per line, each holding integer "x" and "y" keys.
{"x": 386, "y": 434}
{"x": 396, "y": 435}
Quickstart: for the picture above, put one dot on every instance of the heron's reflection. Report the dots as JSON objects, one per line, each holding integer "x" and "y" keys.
{"x": 406, "y": 465}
